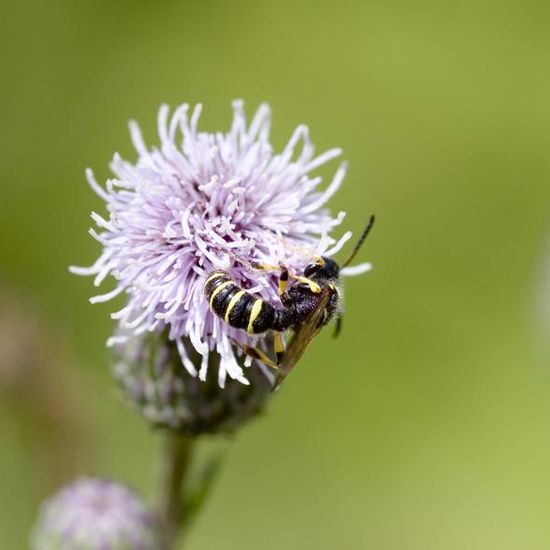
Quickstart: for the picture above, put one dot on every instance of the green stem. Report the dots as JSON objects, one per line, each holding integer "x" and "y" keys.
{"x": 171, "y": 509}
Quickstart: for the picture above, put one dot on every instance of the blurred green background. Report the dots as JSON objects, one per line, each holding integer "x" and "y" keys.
{"x": 427, "y": 424}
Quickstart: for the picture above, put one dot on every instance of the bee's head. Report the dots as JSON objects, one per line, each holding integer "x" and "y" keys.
{"x": 323, "y": 268}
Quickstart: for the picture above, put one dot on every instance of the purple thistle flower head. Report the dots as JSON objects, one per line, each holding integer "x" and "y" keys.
{"x": 95, "y": 514}
{"x": 204, "y": 201}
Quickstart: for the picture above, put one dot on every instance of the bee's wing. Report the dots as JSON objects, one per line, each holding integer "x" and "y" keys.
{"x": 305, "y": 333}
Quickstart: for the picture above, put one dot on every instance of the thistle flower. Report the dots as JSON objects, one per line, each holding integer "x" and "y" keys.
{"x": 203, "y": 201}
{"x": 95, "y": 514}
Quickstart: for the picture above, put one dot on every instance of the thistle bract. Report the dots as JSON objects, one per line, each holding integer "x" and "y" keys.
{"x": 148, "y": 369}
{"x": 201, "y": 201}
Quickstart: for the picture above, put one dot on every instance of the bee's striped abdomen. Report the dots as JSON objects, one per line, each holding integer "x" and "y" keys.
{"x": 240, "y": 309}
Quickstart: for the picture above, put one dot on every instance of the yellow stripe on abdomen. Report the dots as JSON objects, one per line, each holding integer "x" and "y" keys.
{"x": 232, "y": 303}
{"x": 254, "y": 312}
{"x": 215, "y": 275}
{"x": 217, "y": 291}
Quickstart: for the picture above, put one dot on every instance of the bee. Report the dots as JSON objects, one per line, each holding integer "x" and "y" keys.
{"x": 308, "y": 305}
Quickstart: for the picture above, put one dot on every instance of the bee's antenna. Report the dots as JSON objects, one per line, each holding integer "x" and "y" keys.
{"x": 360, "y": 242}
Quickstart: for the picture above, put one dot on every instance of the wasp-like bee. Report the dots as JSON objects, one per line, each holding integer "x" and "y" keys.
{"x": 307, "y": 305}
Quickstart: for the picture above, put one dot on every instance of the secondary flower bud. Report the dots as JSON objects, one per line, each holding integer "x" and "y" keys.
{"x": 95, "y": 514}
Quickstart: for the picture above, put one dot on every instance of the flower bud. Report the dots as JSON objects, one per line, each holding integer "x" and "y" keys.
{"x": 151, "y": 375}
{"x": 95, "y": 514}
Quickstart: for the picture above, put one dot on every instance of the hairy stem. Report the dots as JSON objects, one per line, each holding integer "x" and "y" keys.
{"x": 171, "y": 509}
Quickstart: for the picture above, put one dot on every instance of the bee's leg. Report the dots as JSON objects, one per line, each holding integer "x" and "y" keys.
{"x": 258, "y": 354}
{"x": 283, "y": 277}
{"x": 283, "y": 281}
{"x": 313, "y": 286}
{"x": 338, "y": 326}
{"x": 265, "y": 267}
{"x": 279, "y": 346}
